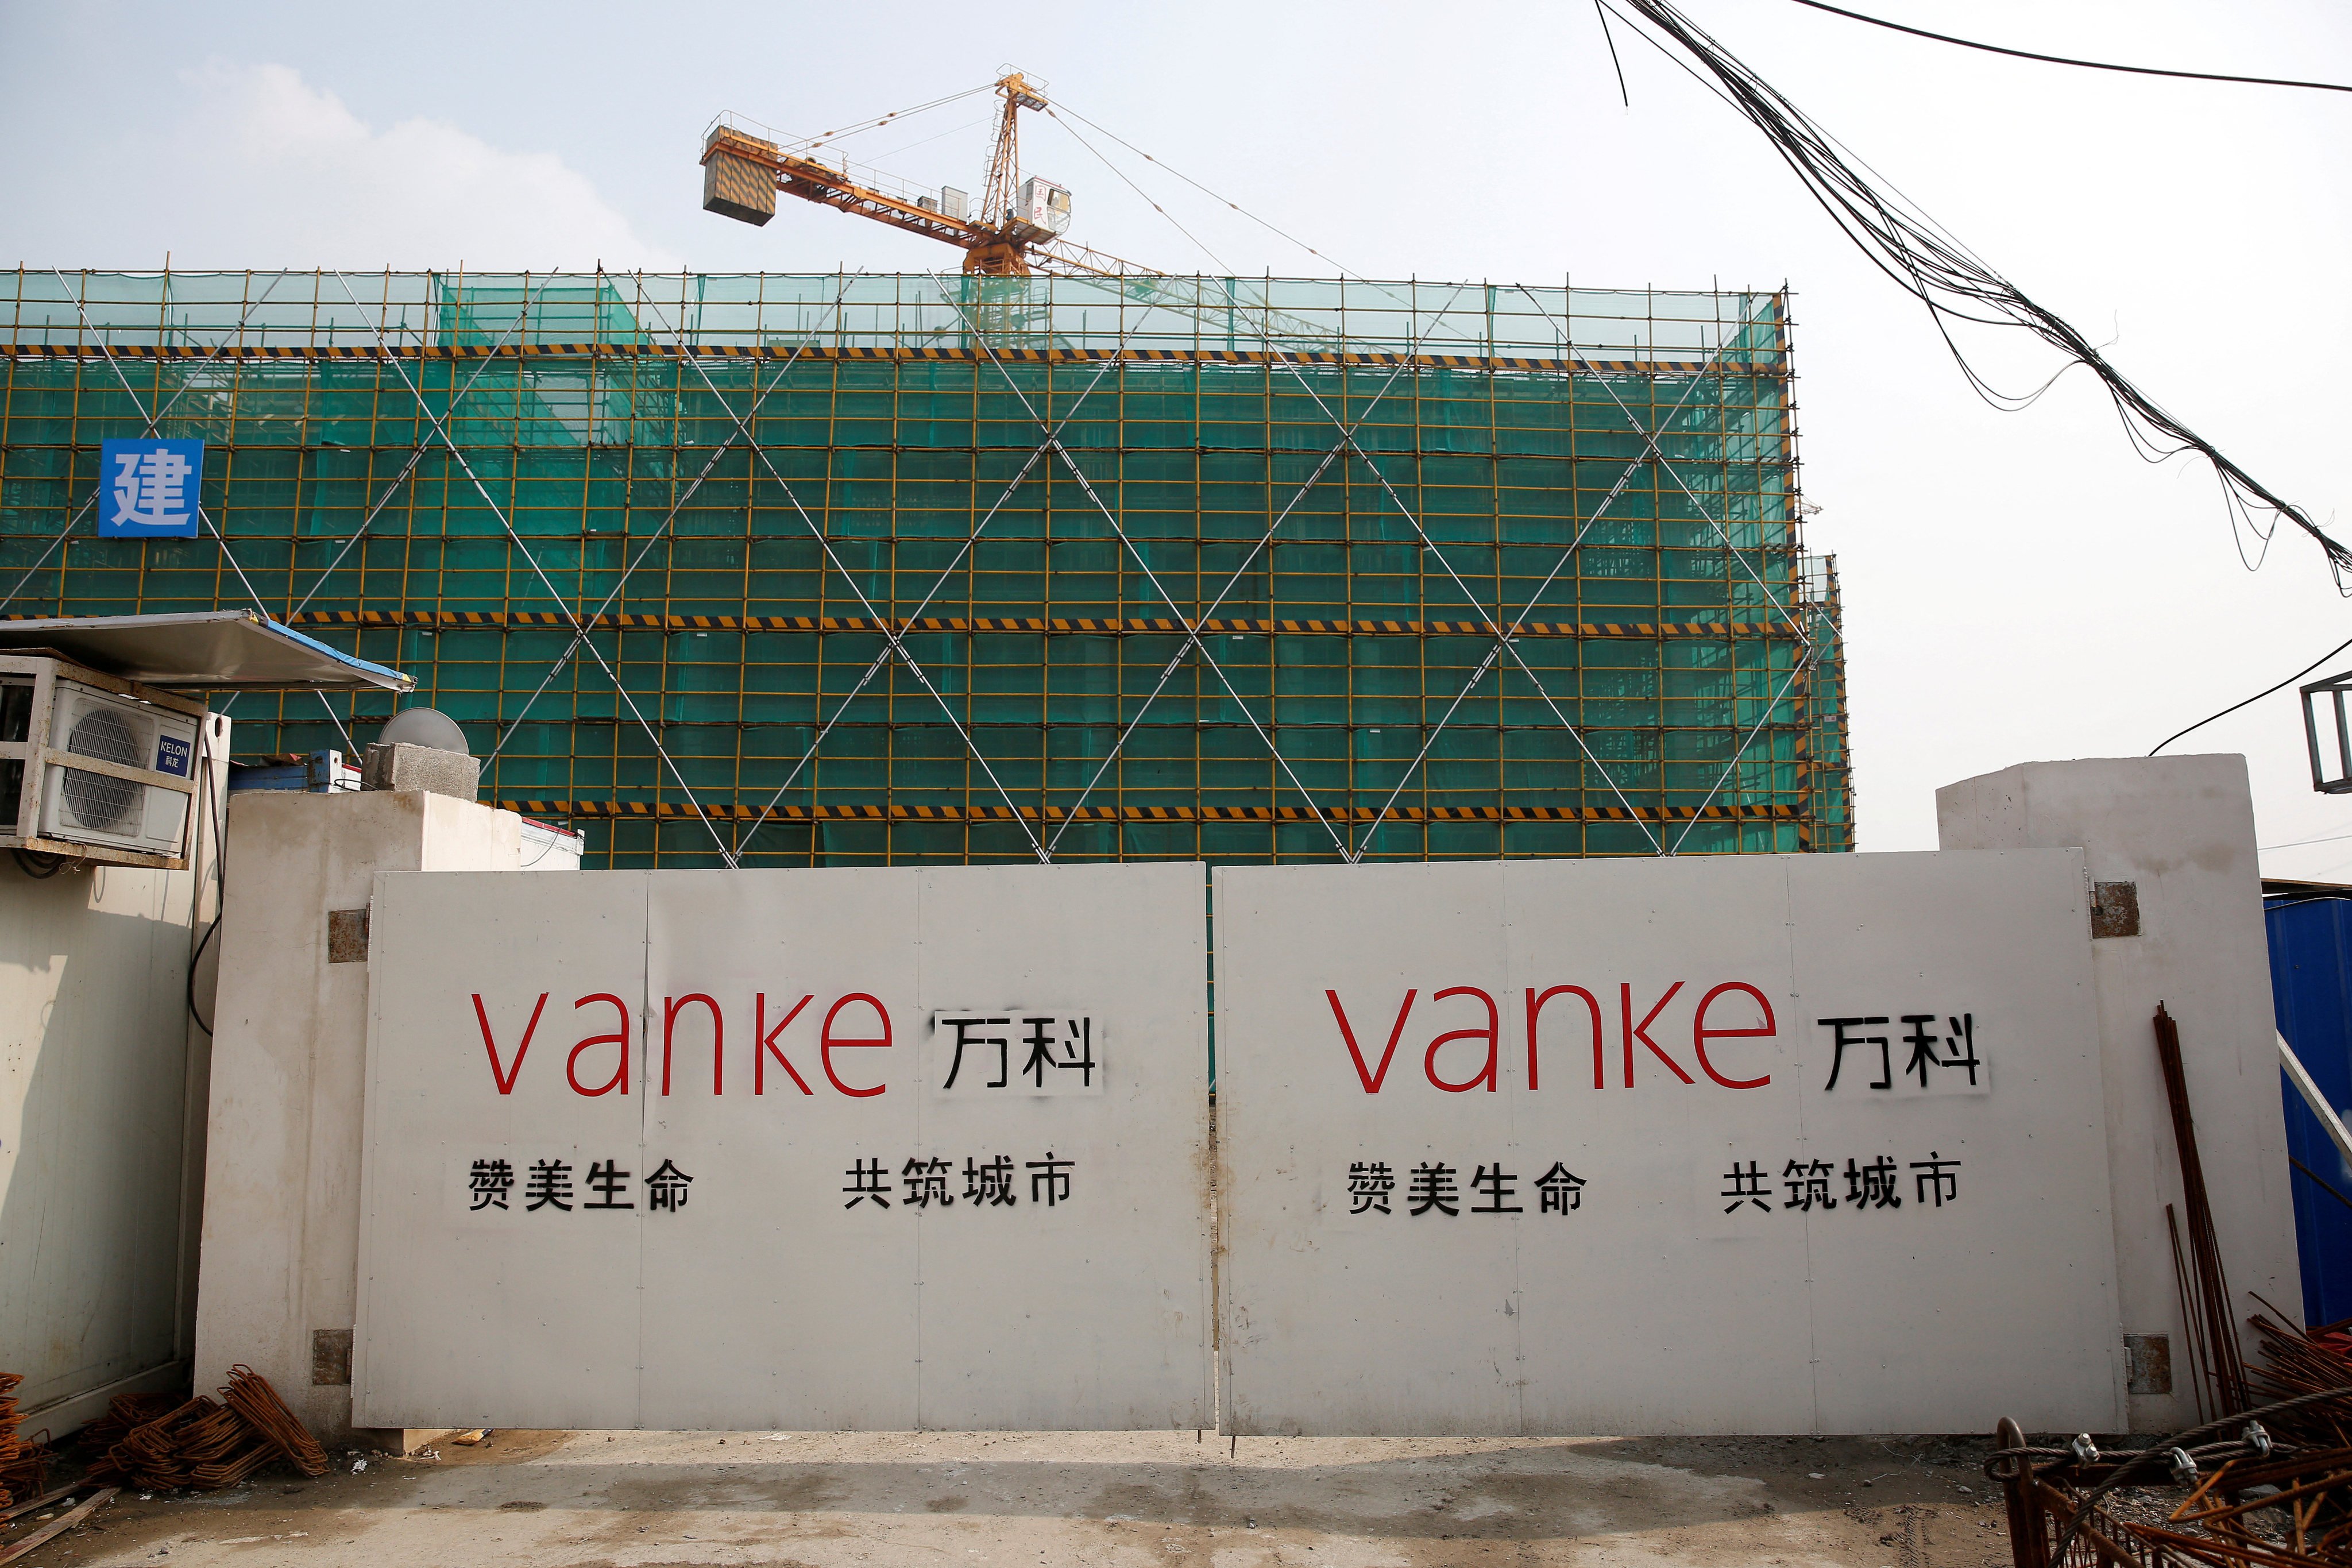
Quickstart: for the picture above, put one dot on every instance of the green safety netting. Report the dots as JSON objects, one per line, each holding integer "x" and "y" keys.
{"x": 1685, "y": 654}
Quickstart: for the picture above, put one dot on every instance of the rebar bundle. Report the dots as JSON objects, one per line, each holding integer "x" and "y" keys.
{"x": 2204, "y": 1288}
{"x": 2268, "y": 1486}
{"x": 9, "y": 1446}
{"x": 163, "y": 1452}
{"x": 2265, "y": 1488}
{"x": 27, "y": 1473}
{"x": 250, "y": 1395}
{"x": 208, "y": 1444}
{"x": 123, "y": 1413}
{"x": 2303, "y": 1361}
{"x": 2312, "y": 1491}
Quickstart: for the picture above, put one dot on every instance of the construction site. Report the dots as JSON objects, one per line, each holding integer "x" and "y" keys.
{"x": 856, "y": 570}
{"x": 1312, "y": 819}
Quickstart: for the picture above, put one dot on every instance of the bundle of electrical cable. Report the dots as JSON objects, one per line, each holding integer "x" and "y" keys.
{"x": 1954, "y": 283}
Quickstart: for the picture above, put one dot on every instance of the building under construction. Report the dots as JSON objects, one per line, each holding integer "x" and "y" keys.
{"x": 848, "y": 569}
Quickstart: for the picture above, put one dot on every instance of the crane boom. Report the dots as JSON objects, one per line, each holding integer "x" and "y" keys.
{"x": 1016, "y": 231}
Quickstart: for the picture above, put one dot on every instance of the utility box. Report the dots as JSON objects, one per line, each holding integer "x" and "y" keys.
{"x": 737, "y": 175}
{"x": 95, "y": 767}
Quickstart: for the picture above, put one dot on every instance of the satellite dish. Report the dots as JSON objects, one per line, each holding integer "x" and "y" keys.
{"x": 424, "y": 727}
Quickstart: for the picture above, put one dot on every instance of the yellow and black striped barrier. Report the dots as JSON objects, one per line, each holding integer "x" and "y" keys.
{"x": 665, "y": 811}
{"x": 1051, "y": 626}
{"x": 1727, "y": 364}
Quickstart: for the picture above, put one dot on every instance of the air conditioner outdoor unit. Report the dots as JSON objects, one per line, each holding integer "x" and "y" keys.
{"x": 95, "y": 767}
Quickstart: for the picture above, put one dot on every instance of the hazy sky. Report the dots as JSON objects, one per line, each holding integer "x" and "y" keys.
{"x": 2018, "y": 586}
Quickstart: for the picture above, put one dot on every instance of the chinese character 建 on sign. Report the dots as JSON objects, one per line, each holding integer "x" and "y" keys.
{"x": 149, "y": 489}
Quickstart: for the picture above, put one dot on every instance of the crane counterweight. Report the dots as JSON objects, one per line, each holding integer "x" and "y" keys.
{"x": 736, "y": 177}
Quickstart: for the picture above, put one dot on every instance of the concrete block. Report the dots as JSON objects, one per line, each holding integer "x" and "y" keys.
{"x": 279, "y": 1287}
{"x": 400, "y": 766}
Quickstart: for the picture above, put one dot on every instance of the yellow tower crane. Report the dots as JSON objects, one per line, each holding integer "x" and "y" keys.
{"x": 1017, "y": 230}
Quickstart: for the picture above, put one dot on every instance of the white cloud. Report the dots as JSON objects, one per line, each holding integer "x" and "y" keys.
{"x": 272, "y": 171}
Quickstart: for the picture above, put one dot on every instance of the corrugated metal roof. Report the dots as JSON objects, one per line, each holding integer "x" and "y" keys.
{"x": 212, "y": 651}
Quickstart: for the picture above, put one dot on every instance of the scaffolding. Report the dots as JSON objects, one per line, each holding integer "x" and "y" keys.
{"x": 853, "y": 569}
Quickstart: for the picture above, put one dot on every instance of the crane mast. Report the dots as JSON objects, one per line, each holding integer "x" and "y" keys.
{"x": 1017, "y": 230}
{"x": 997, "y": 195}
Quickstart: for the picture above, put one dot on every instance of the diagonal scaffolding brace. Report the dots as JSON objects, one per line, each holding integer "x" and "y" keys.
{"x": 1193, "y": 641}
{"x": 1507, "y": 631}
{"x": 571, "y": 649}
{"x": 441, "y": 430}
{"x": 415, "y": 456}
{"x": 894, "y": 638}
{"x": 1508, "y": 647}
{"x": 1192, "y": 631}
{"x": 151, "y": 422}
{"x": 202, "y": 515}
{"x": 874, "y": 669}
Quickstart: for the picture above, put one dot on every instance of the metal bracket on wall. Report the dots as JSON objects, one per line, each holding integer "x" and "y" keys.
{"x": 2147, "y": 1362}
{"x": 330, "y": 1358}
{"x": 347, "y": 936}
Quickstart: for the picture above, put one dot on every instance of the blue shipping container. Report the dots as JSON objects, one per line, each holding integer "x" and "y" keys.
{"x": 2311, "y": 987}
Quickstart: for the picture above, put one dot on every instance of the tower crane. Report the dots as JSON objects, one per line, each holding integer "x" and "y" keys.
{"x": 1017, "y": 229}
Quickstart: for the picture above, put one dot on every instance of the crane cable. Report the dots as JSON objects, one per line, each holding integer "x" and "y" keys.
{"x": 875, "y": 159}
{"x": 1344, "y": 270}
{"x": 1954, "y": 284}
{"x": 1138, "y": 190}
{"x": 862, "y": 126}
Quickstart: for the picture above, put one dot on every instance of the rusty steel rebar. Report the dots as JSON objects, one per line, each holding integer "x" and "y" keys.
{"x": 2269, "y": 1487}
{"x": 9, "y": 1446}
{"x": 208, "y": 1444}
{"x": 2225, "y": 1371}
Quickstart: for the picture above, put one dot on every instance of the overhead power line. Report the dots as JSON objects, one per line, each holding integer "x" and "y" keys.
{"x": 2299, "y": 842}
{"x": 2257, "y": 696}
{"x": 2070, "y": 60}
{"x": 1954, "y": 284}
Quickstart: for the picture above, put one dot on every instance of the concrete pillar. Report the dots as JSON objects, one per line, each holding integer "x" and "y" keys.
{"x": 2181, "y": 830}
{"x": 281, "y": 1262}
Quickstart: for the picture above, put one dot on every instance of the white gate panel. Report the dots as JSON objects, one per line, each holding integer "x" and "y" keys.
{"x": 816, "y": 1304}
{"x": 474, "y": 1292}
{"x": 1726, "y": 1243}
{"x": 822, "y": 1233}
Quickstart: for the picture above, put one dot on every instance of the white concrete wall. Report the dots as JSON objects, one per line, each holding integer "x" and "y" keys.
{"x": 101, "y": 1130}
{"x": 2182, "y": 828}
{"x": 282, "y": 1177}
{"x": 95, "y": 1058}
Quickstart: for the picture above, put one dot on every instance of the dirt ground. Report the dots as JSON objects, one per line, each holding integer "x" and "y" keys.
{"x": 633, "y": 1499}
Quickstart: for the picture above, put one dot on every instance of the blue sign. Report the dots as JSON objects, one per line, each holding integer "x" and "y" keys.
{"x": 148, "y": 490}
{"x": 173, "y": 756}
